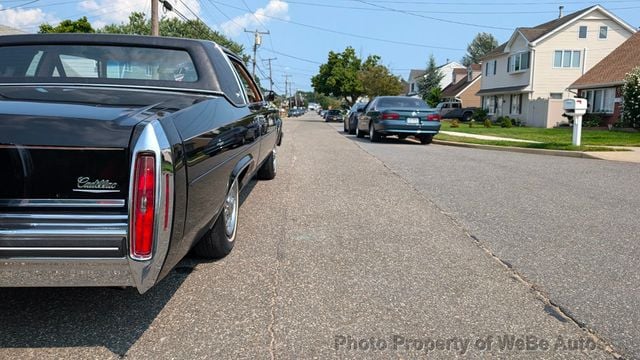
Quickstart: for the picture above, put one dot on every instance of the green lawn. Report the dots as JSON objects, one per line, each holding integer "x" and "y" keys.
{"x": 548, "y": 146}
{"x": 557, "y": 136}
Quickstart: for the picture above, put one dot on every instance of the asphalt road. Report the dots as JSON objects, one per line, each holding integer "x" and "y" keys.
{"x": 568, "y": 226}
{"x": 356, "y": 251}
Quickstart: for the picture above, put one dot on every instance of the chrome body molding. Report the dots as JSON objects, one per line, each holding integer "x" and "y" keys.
{"x": 154, "y": 140}
{"x": 62, "y": 235}
{"x": 58, "y": 203}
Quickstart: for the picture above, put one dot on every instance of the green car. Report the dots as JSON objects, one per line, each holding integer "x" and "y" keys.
{"x": 398, "y": 115}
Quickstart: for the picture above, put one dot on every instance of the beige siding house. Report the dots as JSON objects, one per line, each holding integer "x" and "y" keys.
{"x": 528, "y": 76}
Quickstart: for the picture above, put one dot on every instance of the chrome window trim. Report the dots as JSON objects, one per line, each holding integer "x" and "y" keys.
{"x": 97, "y": 203}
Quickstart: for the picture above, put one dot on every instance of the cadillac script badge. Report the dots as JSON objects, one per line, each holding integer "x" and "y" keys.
{"x": 85, "y": 184}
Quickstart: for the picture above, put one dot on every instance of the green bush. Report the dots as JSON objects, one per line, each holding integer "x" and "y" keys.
{"x": 505, "y": 122}
{"x": 455, "y": 123}
{"x": 631, "y": 98}
{"x": 472, "y": 122}
{"x": 591, "y": 120}
{"x": 487, "y": 123}
{"x": 480, "y": 115}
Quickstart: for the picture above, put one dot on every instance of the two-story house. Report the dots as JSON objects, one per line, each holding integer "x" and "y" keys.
{"x": 464, "y": 86}
{"x": 528, "y": 76}
{"x": 446, "y": 70}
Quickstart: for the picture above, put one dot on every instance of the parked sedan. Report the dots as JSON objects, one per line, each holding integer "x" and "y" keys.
{"x": 351, "y": 119}
{"x": 398, "y": 115}
{"x": 333, "y": 115}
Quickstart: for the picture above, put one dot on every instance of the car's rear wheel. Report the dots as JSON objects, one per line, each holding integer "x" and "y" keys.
{"x": 466, "y": 116}
{"x": 269, "y": 168}
{"x": 352, "y": 129}
{"x": 425, "y": 139}
{"x": 344, "y": 127}
{"x": 374, "y": 136}
{"x": 219, "y": 241}
{"x": 359, "y": 132}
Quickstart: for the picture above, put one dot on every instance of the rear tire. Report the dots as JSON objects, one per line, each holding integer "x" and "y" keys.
{"x": 425, "y": 139}
{"x": 359, "y": 133}
{"x": 218, "y": 242}
{"x": 466, "y": 116}
{"x": 374, "y": 136}
{"x": 269, "y": 169}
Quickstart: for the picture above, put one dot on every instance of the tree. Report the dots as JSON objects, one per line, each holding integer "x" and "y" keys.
{"x": 339, "y": 76}
{"x": 81, "y": 25}
{"x": 430, "y": 80}
{"x": 377, "y": 80}
{"x": 481, "y": 45}
{"x": 434, "y": 96}
{"x": 631, "y": 98}
{"x": 194, "y": 29}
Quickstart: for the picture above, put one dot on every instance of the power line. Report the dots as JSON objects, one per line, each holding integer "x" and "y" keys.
{"x": 348, "y": 34}
{"x": 435, "y": 18}
{"x": 428, "y": 2}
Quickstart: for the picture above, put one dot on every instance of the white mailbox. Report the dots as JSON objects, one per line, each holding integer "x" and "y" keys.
{"x": 575, "y": 107}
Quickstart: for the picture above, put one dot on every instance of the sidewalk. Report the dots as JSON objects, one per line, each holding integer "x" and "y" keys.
{"x": 633, "y": 155}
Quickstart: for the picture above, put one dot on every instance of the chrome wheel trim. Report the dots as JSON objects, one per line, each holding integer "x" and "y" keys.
{"x": 230, "y": 212}
{"x": 274, "y": 160}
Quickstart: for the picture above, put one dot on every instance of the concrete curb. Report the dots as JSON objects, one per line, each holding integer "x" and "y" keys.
{"x": 566, "y": 153}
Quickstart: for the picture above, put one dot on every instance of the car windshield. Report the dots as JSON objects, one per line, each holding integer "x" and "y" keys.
{"x": 402, "y": 102}
{"x": 66, "y": 63}
{"x": 334, "y": 112}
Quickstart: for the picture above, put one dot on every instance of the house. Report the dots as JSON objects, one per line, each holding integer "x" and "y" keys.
{"x": 8, "y": 30}
{"x": 528, "y": 76}
{"x": 446, "y": 70}
{"x": 464, "y": 86}
{"x": 602, "y": 85}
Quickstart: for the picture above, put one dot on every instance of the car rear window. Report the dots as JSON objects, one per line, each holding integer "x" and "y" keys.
{"x": 334, "y": 112}
{"x": 401, "y": 102}
{"x": 54, "y": 63}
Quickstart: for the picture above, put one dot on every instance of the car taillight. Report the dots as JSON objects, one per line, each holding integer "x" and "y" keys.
{"x": 144, "y": 190}
{"x": 433, "y": 117}
{"x": 390, "y": 116}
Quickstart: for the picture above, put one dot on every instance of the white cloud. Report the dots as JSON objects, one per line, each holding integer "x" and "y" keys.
{"x": 26, "y": 20}
{"x": 105, "y": 12}
{"x": 258, "y": 19}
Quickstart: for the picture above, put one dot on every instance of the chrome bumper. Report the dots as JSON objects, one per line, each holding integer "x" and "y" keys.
{"x": 63, "y": 272}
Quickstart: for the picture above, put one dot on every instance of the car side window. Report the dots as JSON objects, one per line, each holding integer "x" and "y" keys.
{"x": 249, "y": 86}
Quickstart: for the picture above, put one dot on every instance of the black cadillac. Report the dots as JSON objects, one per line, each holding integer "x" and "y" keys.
{"x": 120, "y": 154}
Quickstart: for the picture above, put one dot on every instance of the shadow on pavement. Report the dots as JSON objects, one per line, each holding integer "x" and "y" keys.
{"x": 114, "y": 318}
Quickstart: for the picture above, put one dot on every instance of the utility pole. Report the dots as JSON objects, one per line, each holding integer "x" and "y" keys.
{"x": 270, "y": 73}
{"x": 155, "y": 26}
{"x": 257, "y": 41}
{"x": 286, "y": 84}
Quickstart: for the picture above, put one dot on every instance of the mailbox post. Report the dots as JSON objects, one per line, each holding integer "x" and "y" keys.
{"x": 576, "y": 108}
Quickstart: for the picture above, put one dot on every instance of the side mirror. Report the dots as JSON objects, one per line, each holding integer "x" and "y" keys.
{"x": 271, "y": 96}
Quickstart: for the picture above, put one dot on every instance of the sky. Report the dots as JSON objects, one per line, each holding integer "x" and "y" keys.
{"x": 404, "y": 33}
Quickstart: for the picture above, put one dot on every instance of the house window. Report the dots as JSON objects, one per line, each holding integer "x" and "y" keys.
{"x": 495, "y": 65}
{"x": 516, "y": 104}
{"x": 491, "y": 104}
{"x": 555, "y": 96}
{"x": 600, "y": 100}
{"x": 491, "y": 68}
{"x": 603, "y": 32}
{"x": 518, "y": 62}
{"x": 582, "y": 34}
{"x": 566, "y": 59}
{"x": 413, "y": 86}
